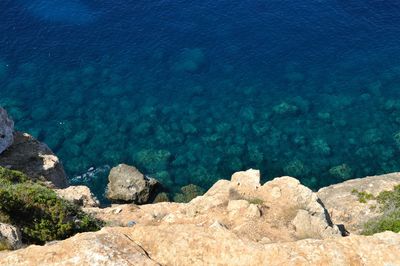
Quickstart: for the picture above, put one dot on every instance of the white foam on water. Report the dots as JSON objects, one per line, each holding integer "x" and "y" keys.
{"x": 91, "y": 173}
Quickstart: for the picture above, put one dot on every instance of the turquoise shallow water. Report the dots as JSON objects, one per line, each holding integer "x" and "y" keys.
{"x": 190, "y": 92}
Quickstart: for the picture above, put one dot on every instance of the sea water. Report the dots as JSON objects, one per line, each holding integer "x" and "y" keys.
{"x": 192, "y": 91}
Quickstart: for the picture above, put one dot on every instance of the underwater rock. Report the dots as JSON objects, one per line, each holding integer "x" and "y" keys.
{"x": 285, "y": 108}
{"x": 342, "y": 171}
{"x": 6, "y": 130}
{"x": 35, "y": 159}
{"x": 153, "y": 160}
{"x": 295, "y": 168}
{"x": 320, "y": 146}
{"x": 127, "y": 184}
{"x": 10, "y": 237}
{"x": 190, "y": 60}
{"x": 189, "y": 192}
{"x": 161, "y": 197}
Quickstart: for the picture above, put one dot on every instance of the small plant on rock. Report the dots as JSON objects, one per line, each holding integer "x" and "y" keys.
{"x": 389, "y": 202}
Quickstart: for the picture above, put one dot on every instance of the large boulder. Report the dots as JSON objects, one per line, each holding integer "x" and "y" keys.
{"x": 347, "y": 209}
{"x": 79, "y": 195}
{"x": 10, "y": 237}
{"x": 35, "y": 159}
{"x": 128, "y": 184}
{"x": 6, "y": 130}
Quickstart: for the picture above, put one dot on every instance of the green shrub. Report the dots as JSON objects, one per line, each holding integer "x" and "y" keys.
{"x": 389, "y": 204}
{"x": 256, "y": 201}
{"x": 4, "y": 245}
{"x": 38, "y": 212}
{"x": 363, "y": 196}
{"x": 10, "y": 176}
{"x": 390, "y": 199}
{"x": 387, "y": 222}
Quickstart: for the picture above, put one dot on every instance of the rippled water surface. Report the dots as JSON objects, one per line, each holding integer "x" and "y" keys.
{"x": 191, "y": 91}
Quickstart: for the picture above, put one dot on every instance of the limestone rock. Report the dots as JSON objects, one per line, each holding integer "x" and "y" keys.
{"x": 345, "y": 208}
{"x": 35, "y": 159}
{"x": 187, "y": 244}
{"x": 79, "y": 195}
{"x": 6, "y": 130}
{"x": 280, "y": 210}
{"x": 10, "y": 236}
{"x": 127, "y": 184}
{"x": 249, "y": 178}
{"x": 235, "y": 223}
{"x": 107, "y": 247}
{"x": 183, "y": 244}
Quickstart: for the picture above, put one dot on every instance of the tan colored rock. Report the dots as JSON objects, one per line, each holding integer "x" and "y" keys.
{"x": 109, "y": 247}
{"x": 344, "y": 207}
{"x": 249, "y": 178}
{"x": 237, "y": 205}
{"x": 79, "y": 195}
{"x": 195, "y": 245}
{"x": 253, "y": 212}
{"x": 35, "y": 159}
{"x": 128, "y": 184}
{"x": 187, "y": 244}
{"x": 298, "y": 206}
{"x": 10, "y": 236}
{"x": 279, "y": 223}
{"x": 250, "y": 210}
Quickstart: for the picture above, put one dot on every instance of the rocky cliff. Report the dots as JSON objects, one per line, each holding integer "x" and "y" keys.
{"x": 236, "y": 222}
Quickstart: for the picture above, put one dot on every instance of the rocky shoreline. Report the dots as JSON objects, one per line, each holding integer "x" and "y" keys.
{"x": 236, "y": 222}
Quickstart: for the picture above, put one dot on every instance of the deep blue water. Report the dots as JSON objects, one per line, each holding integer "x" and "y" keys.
{"x": 191, "y": 91}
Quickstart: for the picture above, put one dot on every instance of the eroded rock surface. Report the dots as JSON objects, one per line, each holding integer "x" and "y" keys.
{"x": 128, "y": 184}
{"x": 6, "y": 130}
{"x": 280, "y": 210}
{"x": 237, "y": 222}
{"x": 344, "y": 206}
{"x": 79, "y": 195}
{"x": 35, "y": 159}
{"x": 189, "y": 244}
{"x": 10, "y": 236}
{"x": 109, "y": 247}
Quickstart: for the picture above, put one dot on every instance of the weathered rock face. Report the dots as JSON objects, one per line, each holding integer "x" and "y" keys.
{"x": 127, "y": 184}
{"x": 35, "y": 159}
{"x": 237, "y": 222}
{"x": 344, "y": 206}
{"x": 187, "y": 244}
{"x": 79, "y": 195}
{"x": 280, "y": 210}
{"x": 106, "y": 247}
{"x": 6, "y": 130}
{"x": 10, "y": 236}
{"x": 194, "y": 245}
